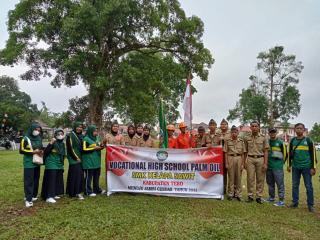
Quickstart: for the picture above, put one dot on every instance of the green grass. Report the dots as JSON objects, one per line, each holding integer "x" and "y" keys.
{"x": 124, "y": 216}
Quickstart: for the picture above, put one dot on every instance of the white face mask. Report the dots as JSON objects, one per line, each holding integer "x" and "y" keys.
{"x": 60, "y": 137}
{"x": 35, "y": 133}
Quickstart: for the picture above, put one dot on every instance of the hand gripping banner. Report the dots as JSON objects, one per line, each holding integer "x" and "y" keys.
{"x": 170, "y": 172}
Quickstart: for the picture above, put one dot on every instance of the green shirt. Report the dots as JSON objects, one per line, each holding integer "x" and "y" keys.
{"x": 73, "y": 148}
{"x": 27, "y": 150}
{"x": 276, "y": 154}
{"x": 91, "y": 158}
{"x": 54, "y": 160}
{"x": 302, "y": 156}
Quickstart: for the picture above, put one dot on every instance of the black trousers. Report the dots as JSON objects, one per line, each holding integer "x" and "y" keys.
{"x": 31, "y": 182}
{"x": 92, "y": 175}
{"x": 52, "y": 184}
{"x": 75, "y": 180}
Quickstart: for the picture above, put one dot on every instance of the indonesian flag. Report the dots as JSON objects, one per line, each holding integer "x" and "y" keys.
{"x": 187, "y": 105}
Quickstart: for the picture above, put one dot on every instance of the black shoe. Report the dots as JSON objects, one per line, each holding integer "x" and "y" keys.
{"x": 250, "y": 199}
{"x": 239, "y": 199}
{"x": 259, "y": 200}
{"x": 293, "y": 205}
{"x": 311, "y": 209}
{"x": 229, "y": 198}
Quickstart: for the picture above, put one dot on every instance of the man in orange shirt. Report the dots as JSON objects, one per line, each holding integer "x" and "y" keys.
{"x": 172, "y": 141}
{"x": 183, "y": 140}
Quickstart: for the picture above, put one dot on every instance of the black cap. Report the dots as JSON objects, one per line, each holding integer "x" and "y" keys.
{"x": 272, "y": 130}
{"x": 201, "y": 129}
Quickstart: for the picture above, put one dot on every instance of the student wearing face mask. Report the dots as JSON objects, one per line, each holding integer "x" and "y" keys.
{"x": 54, "y": 154}
{"x": 91, "y": 161}
{"x": 31, "y": 144}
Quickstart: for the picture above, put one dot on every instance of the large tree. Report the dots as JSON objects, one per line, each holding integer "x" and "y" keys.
{"x": 15, "y": 104}
{"x": 71, "y": 41}
{"x": 275, "y": 82}
{"x": 315, "y": 133}
{"x": 149, "y": 78}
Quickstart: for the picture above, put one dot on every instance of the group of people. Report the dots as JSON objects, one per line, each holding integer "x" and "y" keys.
{"x": 263, "y": 157}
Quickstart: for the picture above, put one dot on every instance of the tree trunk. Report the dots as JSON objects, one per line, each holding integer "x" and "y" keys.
{"x": 96, "y": 98}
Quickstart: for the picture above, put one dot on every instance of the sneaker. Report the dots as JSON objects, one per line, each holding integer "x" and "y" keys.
{"x": 103, "y": 192}
{"x": 92, "y": 195}
{"x": 279, "y": 204}
{"x": 229, "y": 198}
{"x": 57, "y": 197}
{"x": 250, "y": 199}
{"x": 28, "y": 204}
{"x": 80, "y": 197}
{"x": 269, "y": 200}
{"x": 34, "y": 199}
{"x": 259, "y": 200}
{"x": 311, "y": 209}
{"x": 238, "y": 198}
{"x": 51, "y": 200}
{"x": 293, "y": 205}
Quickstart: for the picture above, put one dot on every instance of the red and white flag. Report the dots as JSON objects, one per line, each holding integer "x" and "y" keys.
{"x": 187, "y": 105}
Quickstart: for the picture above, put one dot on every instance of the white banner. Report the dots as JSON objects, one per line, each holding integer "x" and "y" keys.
{"x": 169, "y": 172}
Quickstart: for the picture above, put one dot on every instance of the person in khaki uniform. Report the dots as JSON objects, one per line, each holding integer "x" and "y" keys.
{"x": 200, "y": 140}
{"x": 114, "y": 137}
{"x": 234, "y": 150}
{"x": 224, "y": 135}
{"x": 146, "y": 140}
{"x": 138, "y": 135}
{"x": 256, "y": 164}
{"x": 129, "y": 139}
{"x": 212, "y": 138}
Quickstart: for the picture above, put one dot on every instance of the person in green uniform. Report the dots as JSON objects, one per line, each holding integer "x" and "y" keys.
{"x": 91, "y": 161}
{"x": 31, "y": 144}
{"x": 75, "y": 172}
{"x": 54, "y": 154}
{"x": 274, "y": 175}
{"x": 302, "y": 160}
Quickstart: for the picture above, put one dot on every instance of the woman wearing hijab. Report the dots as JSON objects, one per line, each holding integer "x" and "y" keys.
{"x": 31, "y": 144}
{"x": 54, "y": 154}
{"x": 146, "y": 140}
{"x": 129, "y": 139}
{"x": 91, "y": 161}
{"x": 75, "y": 172}
{"x": 114, "y": 137}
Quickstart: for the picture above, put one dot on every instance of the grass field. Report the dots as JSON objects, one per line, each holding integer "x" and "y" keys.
{"x": 124, "y": 216}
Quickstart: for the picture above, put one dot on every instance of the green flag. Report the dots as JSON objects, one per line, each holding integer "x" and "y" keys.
{"x": 163, "y": 128}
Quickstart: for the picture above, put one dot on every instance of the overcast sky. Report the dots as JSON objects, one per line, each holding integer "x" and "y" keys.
{"x": 235, "y": 32}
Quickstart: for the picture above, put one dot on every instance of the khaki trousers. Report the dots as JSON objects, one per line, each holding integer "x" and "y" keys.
{"x": 234, "y": 176}
{"x": 255, "y": 174}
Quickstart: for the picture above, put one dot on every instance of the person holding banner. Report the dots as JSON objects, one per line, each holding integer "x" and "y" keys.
{"x": 75, "y": 172}
{"x": 114, "y": 137}
{"x": 91, "y": 161}
{"x": 234, "y": 150}
{"x": 31, "y": 144}
{"x": 54, "y": 154}
{"x": 172, "y": 141}
{"x": 129, "y": 139}
{"x": 212, "y": 138}
{"x": 183, "y": 139}
{"x": 146, "y": 140}
{"x": 257, "y": 146}
{"x": 200, "y": 140}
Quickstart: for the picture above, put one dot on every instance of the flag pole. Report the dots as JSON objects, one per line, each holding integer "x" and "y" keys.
{"x": 190, "y": 110}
